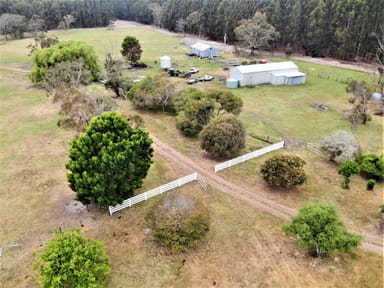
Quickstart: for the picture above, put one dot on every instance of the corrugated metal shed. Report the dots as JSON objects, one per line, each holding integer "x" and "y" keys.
{"x": 204, "y": 50}
{"x": 275, "y": 73}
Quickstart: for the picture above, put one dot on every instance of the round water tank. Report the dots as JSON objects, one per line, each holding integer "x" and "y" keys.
{"x": 165, "y": 62}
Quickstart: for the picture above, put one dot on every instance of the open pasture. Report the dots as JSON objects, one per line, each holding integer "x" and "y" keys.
{"x": 245, "y": 247}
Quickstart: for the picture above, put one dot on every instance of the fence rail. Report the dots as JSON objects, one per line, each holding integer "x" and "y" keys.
{"x": 159, "y": 190}
{"x": 314, "y": 148}
{"x": 249, "y": 156}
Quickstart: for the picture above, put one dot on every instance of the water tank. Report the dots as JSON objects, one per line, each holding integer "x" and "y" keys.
{"x": 232, "y": 83}
{"x": 165, "y": 62}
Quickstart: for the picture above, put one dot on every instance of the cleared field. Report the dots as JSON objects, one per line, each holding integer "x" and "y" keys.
{"x": 245, "y": 247}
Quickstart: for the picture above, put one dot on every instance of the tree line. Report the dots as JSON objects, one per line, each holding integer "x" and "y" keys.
{"x": 347, "y": 29}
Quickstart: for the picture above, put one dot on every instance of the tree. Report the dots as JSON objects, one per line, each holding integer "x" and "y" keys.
{"x": 347, "y": 169}
{"x": 371, "y": 166}
{"x": 69, "y": 260}
{"x": 108, "y": 161}
{"x": 223, "y": 136}
{"x": 61, "y": 52}
{"x": 285, "y": 171}
{"x": 13, "y": 24}
{"x": 156, "y": 13}
{"x": 180, "y": 25}
{"x": 361, "y": 93}
{"x": 70, "y": 73}
{"x": 193, "y": 22}
{"x": 228, "y": 102}
{"x": 36, "y": 25}
{"x": 131, "y": 49}
{"x": 152, "y": 93}
{"x": 255, "y": 33}
{"x": 341, "y": 146}
{"x": 318, "y": 226}
{"x": 195, "y": 115}
{"x": 68, "y": 20}
{"x": 42, "y": 41}
{"x": 79, "y": 106}
{"x": 115, "y": 80}
{"x": 178, "y": 222}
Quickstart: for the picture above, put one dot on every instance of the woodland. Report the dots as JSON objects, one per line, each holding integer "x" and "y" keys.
{"x": 346, "y": 29}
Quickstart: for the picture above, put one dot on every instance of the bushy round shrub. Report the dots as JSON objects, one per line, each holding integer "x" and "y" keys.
{"x": 285, "y": 171}
{"x": 178, "y": 222}
{"x": 223, "y": 136}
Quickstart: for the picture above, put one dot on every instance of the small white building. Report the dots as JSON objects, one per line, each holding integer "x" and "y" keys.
{"x": 165, "y": 62}
{"x": 204, "y": 50}
{"x": 281, "y": 73}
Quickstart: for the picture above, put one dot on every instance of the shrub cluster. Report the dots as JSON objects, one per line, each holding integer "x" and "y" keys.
{"x": 178, "y": 222}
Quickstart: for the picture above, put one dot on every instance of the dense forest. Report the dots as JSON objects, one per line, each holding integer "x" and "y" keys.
{"x": 344, "y": 29}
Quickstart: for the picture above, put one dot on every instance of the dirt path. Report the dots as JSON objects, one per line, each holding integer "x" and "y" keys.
{"x": 205, "y": 167}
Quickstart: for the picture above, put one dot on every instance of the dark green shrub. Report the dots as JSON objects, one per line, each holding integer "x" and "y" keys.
{"x": 178, "y": 222}
{"x": 371, "y": 166}
{"x": 371, "y": 184}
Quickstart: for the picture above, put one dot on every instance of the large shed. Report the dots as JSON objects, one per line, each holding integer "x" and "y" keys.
{"x": 281, "y": 73}
{"x": 204, "y": 50}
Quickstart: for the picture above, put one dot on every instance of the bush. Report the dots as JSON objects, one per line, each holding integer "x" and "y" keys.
{"x": 69, "y": 260}
{"x": 178, "y": 222}
{"x": 341, "y": 146}
{"x": 347, "y": 169}
{"x": 61, "y": 52}
{"x": 319, "y": 226}
{"x": 371, "y": 166}
{"x": 371, "y": 184}
{"x": 284, "y": 171}
{"x": 153, "y": 93}
{"x": 224, "y": 136}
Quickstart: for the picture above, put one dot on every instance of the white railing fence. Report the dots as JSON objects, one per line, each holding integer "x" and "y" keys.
{"x": 159, "y": 190}
{"x": 249, "y": 156}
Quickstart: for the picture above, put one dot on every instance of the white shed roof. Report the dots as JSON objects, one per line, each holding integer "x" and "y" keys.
{"x": 200, "y": 46}
{"x": 244, "y": 69}
{"x": 289, "y": 74}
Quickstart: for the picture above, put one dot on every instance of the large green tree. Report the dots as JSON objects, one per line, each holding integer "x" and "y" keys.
{"x": 319, "y": 226}
{"x": 47, "y": 58}
{"x": 108, "y": 161}
{"x": 69, "y": 260}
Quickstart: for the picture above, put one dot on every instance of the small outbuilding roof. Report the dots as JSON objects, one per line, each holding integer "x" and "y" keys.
{"x": 201, "y": 46}
{"x": 165, "y": 57}
{"x": 244, "y": 69}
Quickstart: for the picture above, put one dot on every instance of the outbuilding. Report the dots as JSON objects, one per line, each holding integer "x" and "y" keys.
{"x": 280, "y": 73}
{"x": 204, "y": 50}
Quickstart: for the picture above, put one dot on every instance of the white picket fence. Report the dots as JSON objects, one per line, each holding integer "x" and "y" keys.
{"x": 159, "y": 190}
{"x": 249, "y": 156}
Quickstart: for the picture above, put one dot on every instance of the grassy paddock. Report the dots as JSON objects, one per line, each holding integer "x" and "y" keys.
{"x": 244, "y": 247}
